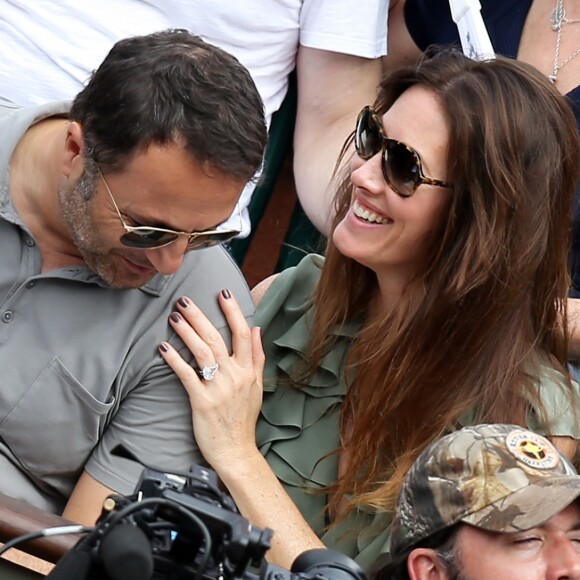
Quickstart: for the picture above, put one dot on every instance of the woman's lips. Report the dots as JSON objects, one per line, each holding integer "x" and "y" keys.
{"x": 369, "y": 215}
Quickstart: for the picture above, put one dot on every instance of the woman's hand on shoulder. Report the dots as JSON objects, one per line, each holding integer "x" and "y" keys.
{"x": 224, "y": 411}
{"x": 225, "y": 405}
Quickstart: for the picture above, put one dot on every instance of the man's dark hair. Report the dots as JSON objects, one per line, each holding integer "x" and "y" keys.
{"x": 172, "y": 87}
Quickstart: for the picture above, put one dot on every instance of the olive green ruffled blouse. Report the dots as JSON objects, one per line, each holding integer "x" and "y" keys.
{"x": 299, "y": 424}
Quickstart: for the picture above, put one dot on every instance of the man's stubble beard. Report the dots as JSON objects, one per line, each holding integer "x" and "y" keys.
{"x": 77, "y": 215}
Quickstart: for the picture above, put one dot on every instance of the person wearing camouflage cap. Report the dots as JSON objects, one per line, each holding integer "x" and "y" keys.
{"x": 487, "y": 501}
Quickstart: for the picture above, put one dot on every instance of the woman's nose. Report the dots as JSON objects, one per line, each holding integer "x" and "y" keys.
{"x": 368, "y": 174}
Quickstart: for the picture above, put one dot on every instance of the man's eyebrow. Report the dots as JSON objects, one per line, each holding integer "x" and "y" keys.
{"x": 163, "y": 225}
{"x": 149, "y": 222}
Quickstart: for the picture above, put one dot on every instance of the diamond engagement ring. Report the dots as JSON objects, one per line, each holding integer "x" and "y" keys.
{"x": 208, "y": 373}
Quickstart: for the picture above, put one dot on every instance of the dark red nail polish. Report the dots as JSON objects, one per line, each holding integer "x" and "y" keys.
{"x": 183, "y": 302}
{"x": 163, "y": 347}
{"x": 176, "y": 317}
{"x": 226, "y": 294}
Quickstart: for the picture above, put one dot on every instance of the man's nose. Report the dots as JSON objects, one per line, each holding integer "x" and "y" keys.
{"x": 564, "y": 561}
{"x": 168, "y": 259}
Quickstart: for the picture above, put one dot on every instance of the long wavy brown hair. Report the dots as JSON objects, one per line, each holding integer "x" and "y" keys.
{"x": 495, "y": 277}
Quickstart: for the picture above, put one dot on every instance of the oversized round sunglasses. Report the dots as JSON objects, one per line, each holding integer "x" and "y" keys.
{"x": 149, "y": 237}
{"x": 400, "y": 163}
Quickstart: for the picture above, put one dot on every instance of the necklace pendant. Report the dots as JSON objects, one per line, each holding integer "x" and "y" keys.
{"x": 552, "y": 78}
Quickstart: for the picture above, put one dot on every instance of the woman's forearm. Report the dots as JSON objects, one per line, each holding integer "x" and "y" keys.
{"x": 263, "y": 501}
{"x": 224, "y": 413}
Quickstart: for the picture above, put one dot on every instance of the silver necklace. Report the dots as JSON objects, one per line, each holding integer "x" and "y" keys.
{"x": 557, "y": 20}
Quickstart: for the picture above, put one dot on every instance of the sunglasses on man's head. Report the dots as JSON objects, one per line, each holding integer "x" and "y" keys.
{"x": 400, "y": 163}
{"x": 149, "y": 237}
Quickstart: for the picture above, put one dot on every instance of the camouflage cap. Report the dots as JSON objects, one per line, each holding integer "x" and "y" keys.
{"x": 497, "y": 477}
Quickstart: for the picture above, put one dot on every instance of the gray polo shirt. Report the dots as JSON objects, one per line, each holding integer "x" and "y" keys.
{"x": 79, "y": 366}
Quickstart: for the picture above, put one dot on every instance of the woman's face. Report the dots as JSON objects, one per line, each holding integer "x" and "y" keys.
{"x": 382, "y": 230}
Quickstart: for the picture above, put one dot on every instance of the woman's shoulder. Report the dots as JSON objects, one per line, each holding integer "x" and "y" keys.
{"x": 261, "y": 288}
{"x": 290, "y": 290}
{"x": 561, "y": 401}
{"x": 559, "y": 398}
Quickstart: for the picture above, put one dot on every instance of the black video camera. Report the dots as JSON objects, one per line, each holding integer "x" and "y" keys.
{"x": 182, "y": 527}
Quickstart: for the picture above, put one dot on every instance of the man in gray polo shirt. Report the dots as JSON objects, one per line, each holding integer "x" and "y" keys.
{"x": 99, "y": 204}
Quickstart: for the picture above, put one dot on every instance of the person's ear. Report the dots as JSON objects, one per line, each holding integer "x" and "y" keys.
{"x": 425, "y": 564}
{"x": 73, "y": 161}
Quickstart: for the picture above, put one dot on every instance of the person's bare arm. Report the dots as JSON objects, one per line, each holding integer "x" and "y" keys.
{"x": 86, "y": 502}
{"x": 566, "y": 446}
{"x": 225, "y": 412}
{"x": 262, "y": 499}
{"x": 261, "y": 288}
{"x": 332, "y": 89}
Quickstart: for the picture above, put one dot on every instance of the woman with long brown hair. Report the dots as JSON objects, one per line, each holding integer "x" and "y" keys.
{"x": 440, "y": 303}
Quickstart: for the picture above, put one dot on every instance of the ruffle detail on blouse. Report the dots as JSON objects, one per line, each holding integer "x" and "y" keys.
{"x": 307, "y": 411}
{"x": 298, "y": 428}
{"x": 299, "y": 424}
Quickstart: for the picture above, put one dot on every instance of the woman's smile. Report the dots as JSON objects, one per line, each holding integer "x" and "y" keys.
{"x": 369, "y": 215}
